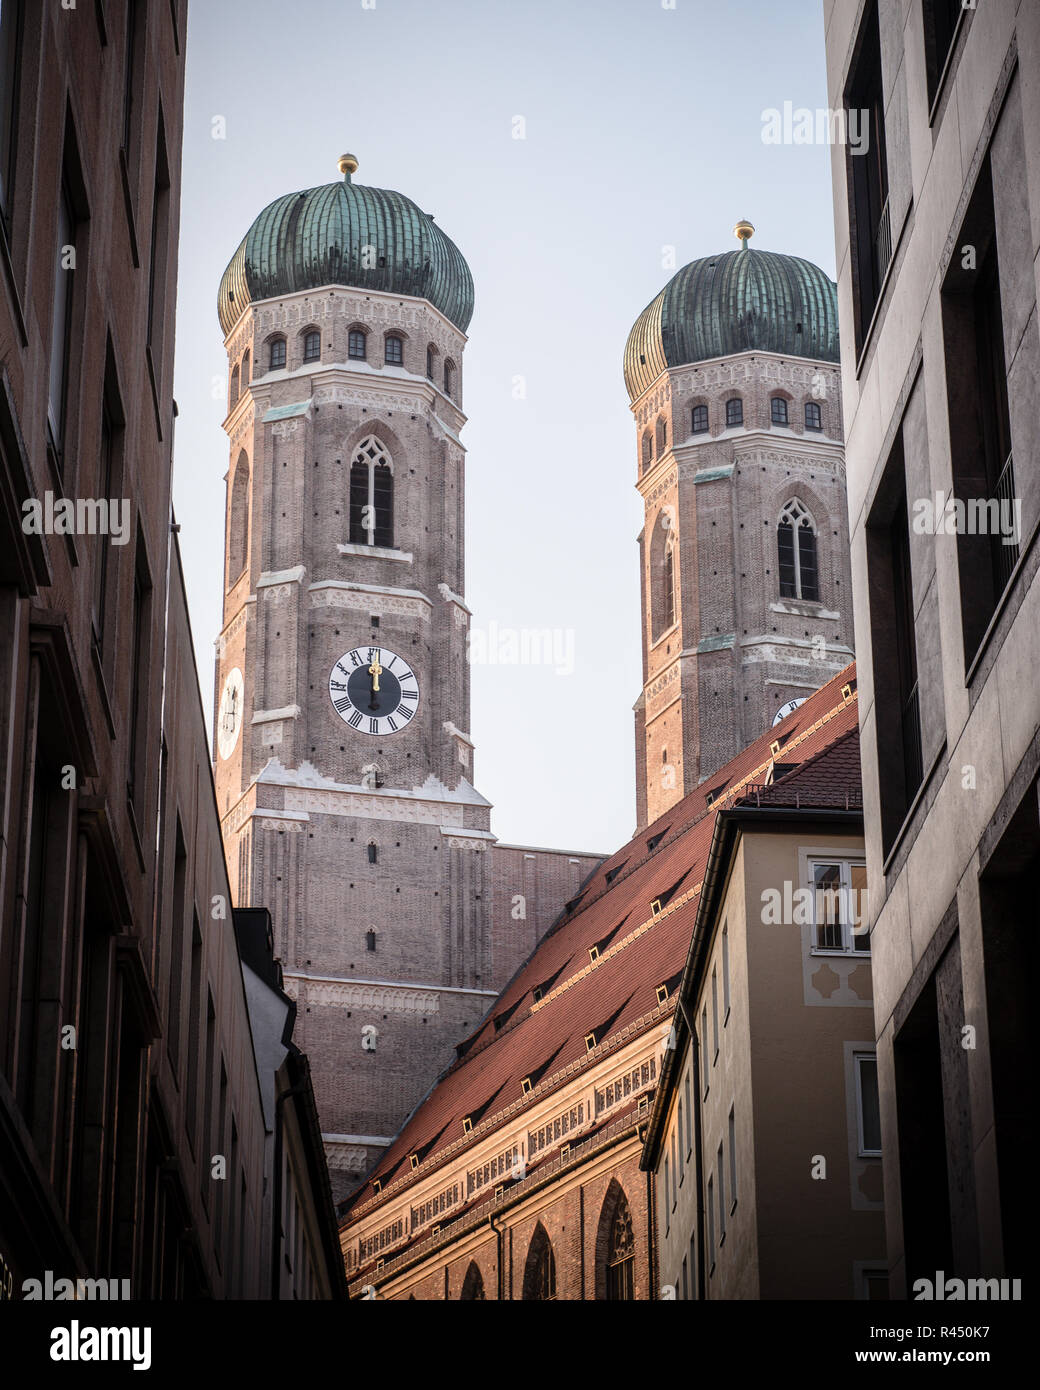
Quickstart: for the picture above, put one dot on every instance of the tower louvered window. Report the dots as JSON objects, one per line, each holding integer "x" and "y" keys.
{"x": 371, "y": 495}
{"x": 796, "y": 554}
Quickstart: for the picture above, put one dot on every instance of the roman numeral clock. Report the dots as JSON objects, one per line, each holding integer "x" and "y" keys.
{"x": 374, "y": 691}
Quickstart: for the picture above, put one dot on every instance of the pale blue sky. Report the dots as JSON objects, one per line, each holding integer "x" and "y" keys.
{"x": 643, "y": 131}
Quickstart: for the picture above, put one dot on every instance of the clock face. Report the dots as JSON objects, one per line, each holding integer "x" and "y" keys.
{"x": 787, "y": 709}
{"x": 374, "y": 691}
{"x": 229, "y": 716}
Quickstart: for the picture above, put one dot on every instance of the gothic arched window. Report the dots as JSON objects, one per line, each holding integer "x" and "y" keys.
{"x": 662, "y": 436}
{"x": 430, "y": 352}
{"x": 449, "y": 376}
{"x": 796, "y": 553}
{"x": 234, "y": 386}
{"x": 813, "y": 416}
{"x": 393, "y": 350}
{"x": 373, "y": 852}
{"x": 734, "y": 411}
{"x": 372, "y": 494}
{"x": 663, "y": 575}
{"x": 312, "y": 346}
{"x": 778, "y": 410}
{"x": 648, "y": 449}
{"x": 540, "y": 1270}
{"x": 245, "y": 369}
{"x": 700, "y": 419}
{"x": 370, "y": 940}
{"x": 356, "y": 344}
{"x": 276, "y": 355}
{"x": 621, "y": 1253}
{"x": 238, "y": 522}
{"x": 473, "y": 1284}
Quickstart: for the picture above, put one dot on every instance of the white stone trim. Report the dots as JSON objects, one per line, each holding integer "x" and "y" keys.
{"x": 265, "y": 716}
{"x": 380, "y": 552}
{"x": 272, "y": 577}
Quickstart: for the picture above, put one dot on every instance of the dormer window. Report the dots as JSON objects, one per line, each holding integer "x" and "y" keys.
{"x": 276, "y": 356}
{"x": 356, "y": 344}
{"x": 734, "y": 412}
{"x": 778, "y": 410}
{"x": 813, "y": 416}
{"x": 394, "y": 351}
{"x": 700, "y": 419}
{"x": 312, "y": 346}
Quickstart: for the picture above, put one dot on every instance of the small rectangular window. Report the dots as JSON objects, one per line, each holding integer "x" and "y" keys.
{"x": 721, "y": 1169}
{"x": 356, "y": 345}
{"x": 868, "y": 1105}
{"x": 778, "y": 410}
{"x": 734, "y": 411}
{"x": 813, "y": 416}
{"x": 700, "y": 419}
{"x": 394, "y": 354}
{"x": 732, "y": 1159}
{"x": 704, "y": 1048}
{"x": 711, "y": 1224}
{"x": 840, "y": 919}
{"x": 715, "y": 1014}
{"x": 725, "y": 973}
{"x": 10, "y": 37}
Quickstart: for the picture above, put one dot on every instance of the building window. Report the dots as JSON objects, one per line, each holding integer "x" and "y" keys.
{"x": 540, "y": 1269}
{"x": 867, "y": 174}
{"x": 711, "y": 1224}
{"x": 449, "y": 377}
{"x": 10, "y": 36}
{"x": 940, "y": 25}
{"x": 689, "y": 1117}
{"x": 704, "y": 1048}
{"x": 663, "y": 607}
{"x": 61, "y": 321}
{"x": 110, "y": 460}
{"x": 715, "y": 1014}
{"x": 357, "y": 344}
{"x": 429, "y": 362}
{"x": 473, "y": 1285}
{"x": 621, "y": 1254}
{"x": 669, "y": 586}
{"x": 648, "y": 449}
{"x": 662, "y": 436}
{"x": 233, "y": 394}
{"x": 813, "y": 416}
{"x": 371, "y": 495}
{"x": 796, "y": 553}
{"x": 720, "y": 1168}
{"x": 373, "y": 853}
{"x": 276, "y": 354}
{"x": 725, "y": 973}
{"x": 159, "y": 255}
{"x": 245, "y": 369}
{"x": 732, "y": 1159}
{"x": 139, "y": 682}
{"x": 238, "y": 520}
{"x": 393, "y": 355}
{"x": 839, "y": 892}
{"x": 312, "y": 346}
{"x": 778, "y": 410}
{"x": 700, "y": 419}
{"x": 868, "y": 1105}
{"x": 370, "y": 940}
{"x": 734, "y": 412}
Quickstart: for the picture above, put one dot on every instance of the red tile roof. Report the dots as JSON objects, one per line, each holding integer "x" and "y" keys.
{"x": 639, "y": 949}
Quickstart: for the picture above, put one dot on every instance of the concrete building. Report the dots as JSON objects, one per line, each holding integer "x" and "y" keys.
{"x": 764, "y": 1138}
{"x": 132, "y": 1140}
{"x": 734, "y": 389}
{"x": 344, "y": 766}
{"x": 937, "y": 228}
{"x": 519, "y": 1177}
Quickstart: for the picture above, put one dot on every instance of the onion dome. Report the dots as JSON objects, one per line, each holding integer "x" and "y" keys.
{"x": 346, "y": 234}
{"x": 738, "y": 301}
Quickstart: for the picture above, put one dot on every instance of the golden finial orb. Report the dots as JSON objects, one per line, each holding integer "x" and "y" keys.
{"x": 347, "y": 164}
{"x": 743, "y": 231}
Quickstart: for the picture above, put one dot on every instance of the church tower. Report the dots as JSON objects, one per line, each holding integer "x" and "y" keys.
{"x": 733, "y": 378}
{"x": 343, "y": 763}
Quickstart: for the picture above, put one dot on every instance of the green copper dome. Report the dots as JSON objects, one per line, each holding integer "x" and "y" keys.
{"x": 346, "y": 234}
{"x": 738, "y": 301}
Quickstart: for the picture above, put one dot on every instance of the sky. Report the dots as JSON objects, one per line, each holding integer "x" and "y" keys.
{"x": 641, "y": 145}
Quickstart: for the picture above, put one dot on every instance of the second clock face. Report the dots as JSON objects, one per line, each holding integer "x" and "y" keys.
{"x": 374, "y": 691}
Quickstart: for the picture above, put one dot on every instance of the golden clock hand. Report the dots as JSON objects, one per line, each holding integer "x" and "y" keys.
{"x": 375, "y": 671}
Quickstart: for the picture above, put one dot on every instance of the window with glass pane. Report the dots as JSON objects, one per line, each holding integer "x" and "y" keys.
{"x": 778, "y": 410}
{"x": 860, "y": 922}
{"x": 869, "y": 1104}
{"x": 312, "y": 347}
{"x": 839, "y": 890}
{"x": 394, "y": 353}
{"x": 826, "y": 882}
{"x": 700, "y": 419}
{"x": 813, "y": 416}
{"x": 277, "y": 355}
{"x": 735, "y": 411}
{"x": 356, "y": 344}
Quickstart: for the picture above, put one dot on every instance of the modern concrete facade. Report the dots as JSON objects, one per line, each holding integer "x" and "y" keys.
{"x": 744, "y": 563}
{"x": 937, "y": 233}
{"x": 764, "y": 1138}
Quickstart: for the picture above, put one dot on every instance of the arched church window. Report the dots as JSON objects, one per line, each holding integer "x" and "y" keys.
{"x": 276, "y": 357}
{"x": 540, "y": 1269}
{"x": 700, "y": 419}
{"x": 234, "y": 386}
{"x": 813, "y": 416}
{"x": 370, "y": 940}
{"x": 669, "y": 586}
{"x": 430, "y": 352}
{"x": 648, "y": 449}
{"x": 312, "y": 346}
{"x": 662, "y": 436}
{"x": 796, "y": 553}
{"x": 371, "y": 494}
{"x": 663, "y": 575}
{"x": 778, "y": 410}
{"x": 373, "y": 852}
{"x": 621, "y": 1253}
{"x": 734, "y": 411}
{"x": 245, "y": 369}
{"x": 356, "y": 344}
{"x": 393, "y": 352}
{"x": 238, "y": 524}
{"x": 473, "y": 1284}
{"x": 449, "y": 376}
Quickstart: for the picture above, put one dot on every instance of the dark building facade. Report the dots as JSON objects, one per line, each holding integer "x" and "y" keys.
{"x": 133, "y": 1142}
